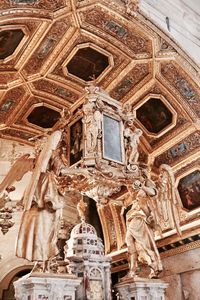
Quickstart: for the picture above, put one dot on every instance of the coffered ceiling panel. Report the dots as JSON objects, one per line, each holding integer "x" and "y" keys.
{"x": 50, "y": 51}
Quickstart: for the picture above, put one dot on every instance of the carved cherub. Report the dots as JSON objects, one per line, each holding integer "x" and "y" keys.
{"x": 131, "y": 144}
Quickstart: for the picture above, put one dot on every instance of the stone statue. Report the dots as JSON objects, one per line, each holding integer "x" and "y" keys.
{"x": 145, "y": 216}
{"x": 81, "y": 207}
{"x": 139, "y": 235}
{"x": 92, "y": 120}
{"x": 131, "y": 144}
{"x": 42, "y": 203}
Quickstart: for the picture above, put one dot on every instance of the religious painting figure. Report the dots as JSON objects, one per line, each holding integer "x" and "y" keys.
{"x": 42, "y": 203}
{"x": 189, "y": 190}
{"x": 131, "y": 144}
{"x": 76, "y": 142}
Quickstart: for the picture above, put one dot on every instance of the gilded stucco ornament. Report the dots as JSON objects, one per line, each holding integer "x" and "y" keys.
{"x": 132, "y": 7}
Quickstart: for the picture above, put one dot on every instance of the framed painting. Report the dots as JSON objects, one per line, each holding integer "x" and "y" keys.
{"x": 154, "y": 115}
{"x": 10, "y": 39}
{"x": 76, "y": 142}
{"x": 189, "y": 190}
{"x": 112, "y": 139}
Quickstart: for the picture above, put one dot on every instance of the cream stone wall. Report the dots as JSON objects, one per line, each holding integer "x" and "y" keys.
{"x": 182, "y": 272}
{"x": 184, "y": 21}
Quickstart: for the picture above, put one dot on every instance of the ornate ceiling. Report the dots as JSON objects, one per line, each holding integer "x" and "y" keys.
{"x": 50, "y": 50}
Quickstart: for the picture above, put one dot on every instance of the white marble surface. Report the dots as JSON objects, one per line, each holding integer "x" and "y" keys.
{"x": 46, "y": 287}
{"x": 142, "y": 288}
{"x": 184, "y": 21}
{"x": 182, "y": 272}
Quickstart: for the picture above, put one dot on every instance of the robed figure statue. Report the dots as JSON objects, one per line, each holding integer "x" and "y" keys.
{"x": 42, "y": 201}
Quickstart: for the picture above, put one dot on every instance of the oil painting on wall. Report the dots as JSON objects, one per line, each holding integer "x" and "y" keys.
{"x": 154, "y": 115}
{"x": 76, "y": 142}
{"x": 189, "y": 190}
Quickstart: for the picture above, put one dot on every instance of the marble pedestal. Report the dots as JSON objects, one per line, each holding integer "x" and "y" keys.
{"x": 44, "y": 286}
{"x": 141, "y": 289}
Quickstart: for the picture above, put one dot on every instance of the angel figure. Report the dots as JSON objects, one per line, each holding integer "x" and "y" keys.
{"x": 139, "y": 235}
{"x": 37, "y": 238}
{"x": 131, "y": 144}
{"x": 143, "y": 219}
{"x": 167, "y": 204}
{"x": 21, "y": 166}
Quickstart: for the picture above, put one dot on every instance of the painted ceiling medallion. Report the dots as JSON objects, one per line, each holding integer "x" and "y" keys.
{"x": 154, "y": 115}
{"x": 9, "y": 41}
{"x": 43, "y": 116}
{"x": 87, "y": 64}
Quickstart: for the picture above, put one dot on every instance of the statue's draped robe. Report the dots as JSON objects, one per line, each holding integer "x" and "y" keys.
{"x": 142, "y": 235}
{"x": 37, "y": 235}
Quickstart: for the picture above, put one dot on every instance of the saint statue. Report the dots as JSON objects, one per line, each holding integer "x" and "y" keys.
{"x": 153, "y": 204}
{"x": 81, "y": 207}
{"x": 37, "y": 237}
{"x": 140, "y": 235}
{"x": 92, "y": 120}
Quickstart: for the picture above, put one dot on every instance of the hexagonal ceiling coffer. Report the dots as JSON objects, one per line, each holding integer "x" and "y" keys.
{"x": 189, "y": 190}
{"x": 9, "y": 41}
{"x": 155, "y": 116}
{"x": 88, "y": 63}
{"x": 43, "y": 116}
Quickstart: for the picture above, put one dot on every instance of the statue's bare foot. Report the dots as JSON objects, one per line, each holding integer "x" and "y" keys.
{"x": 129, "y": 275}
{"x": 153, "y": 274}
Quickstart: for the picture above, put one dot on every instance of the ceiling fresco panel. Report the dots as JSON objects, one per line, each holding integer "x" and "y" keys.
{"x": 180, "y": 151}
{"x": 131, "y": 81}
{"x": 105, "y": 24}
{"x": 87, "y": 64}
{"x": 183, "y": 84}
{"x": 43, "y": 116}
{"x": 16, "y": 134}
{"x": 30, "y": 28}
{"x": 45, "y": 48}
{"x": 39, "y": 4}
{"x": 52, "y": 88}
{"x": 29, "y": 105}
{"x": 9, "y": 102}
